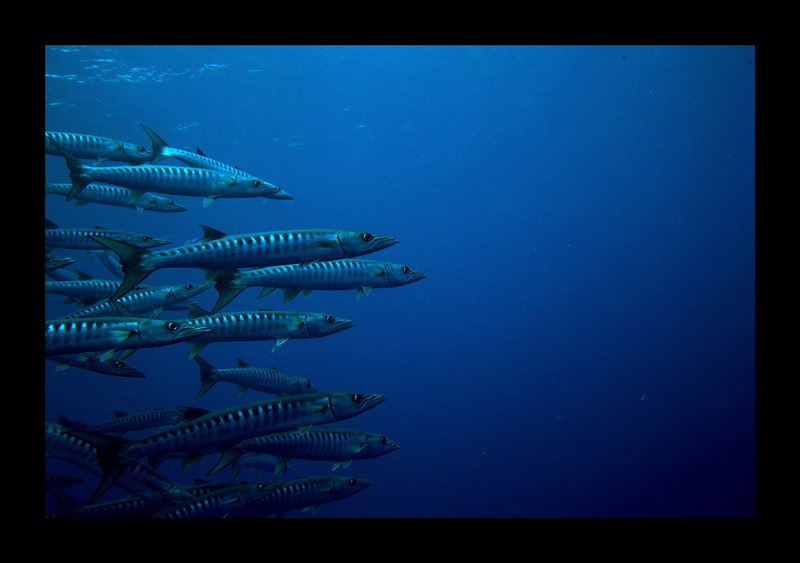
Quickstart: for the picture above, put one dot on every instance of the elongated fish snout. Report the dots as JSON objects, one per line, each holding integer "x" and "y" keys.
{"x": 278, "y": 193}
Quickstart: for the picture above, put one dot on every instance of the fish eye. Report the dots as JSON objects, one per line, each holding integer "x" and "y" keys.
{"x": 352, "y": 482}
{"x": 141, "y": 149}
{"x": 383, "y": 440}
{"x": 117, "y": 364}
{"x": 366, "y": 237}
{"x": 172, "y": 326}
{"x": 331, "y": 319}
{"x": 406, "y": 270}
{"x": 261, "y": 487}
{"x": 358, "y": 398}
{"x": 188, "y": 286}
{"x": 146, "y": 237}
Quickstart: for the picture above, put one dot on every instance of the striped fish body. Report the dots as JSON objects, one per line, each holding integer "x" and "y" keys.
{"x": 142, "y": 301}
{"x": 344, "y": 274}
{"x": 94, "y": 362}
{"x": 123, "y": 423}
{"x": 69, "y": 336}
{"x": 233, "y": 424}
{"x": 245, "y": 376}
{"x": 217, "y": 503}
{"x": 218, "y": 251}
{"x": 256, "y": 249}
{"x": 264, "y": 325}
{"x": 83, "y": 290}
{"x": 118, "y": 196}
{"x": 305, "y": 492}
{"x": 96, "y": 148}
{"x": 80, "y": 239}
{"x": 330, "y": 444}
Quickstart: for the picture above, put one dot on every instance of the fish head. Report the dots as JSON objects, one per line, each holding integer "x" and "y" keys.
{"x": 135, "y": 154}
{"x": 250, "y": 186}
{"x": 166, "y": 205}
{"x": 377, "y": 444}
{"x": 357, "y": 243}
{"x": 398, "y": 274}
{"x": 345, "y": 405}
{"x": 182, "y": 292}
{"x": 167, "y": 331}
{"x": 145, "y": 241}
{"x": 344, "y": 487}
{"x": 320, "y": 324}
{"x": 303, "y": 385}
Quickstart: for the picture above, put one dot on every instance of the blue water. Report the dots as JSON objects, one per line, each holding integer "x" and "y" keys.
{"x": 583, "y": 344}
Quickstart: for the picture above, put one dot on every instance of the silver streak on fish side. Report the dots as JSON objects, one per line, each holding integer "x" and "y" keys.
{"x": 221, "y": 427}
{"x": 218, "y": 251}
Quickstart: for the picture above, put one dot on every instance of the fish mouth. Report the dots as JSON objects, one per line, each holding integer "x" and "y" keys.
{"x": 278, "y": 194}
{"x": 382, "y": 241}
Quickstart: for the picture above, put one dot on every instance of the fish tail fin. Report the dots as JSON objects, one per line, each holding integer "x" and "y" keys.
{"x": 207, "y": 379}
{"x": 130, "y": 257}
{"x": 158, "y": 144}
{"x": 229, "y": 455}
{"x": 76, "y": 170}
{"x": 225, "y": 286}
{"x": 107, "y": 451}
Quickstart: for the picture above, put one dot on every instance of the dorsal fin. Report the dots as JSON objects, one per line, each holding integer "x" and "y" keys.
{"x": 210, "y": 233}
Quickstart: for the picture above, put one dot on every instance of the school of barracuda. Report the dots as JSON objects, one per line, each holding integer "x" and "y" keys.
{"x": 113, "y": 319}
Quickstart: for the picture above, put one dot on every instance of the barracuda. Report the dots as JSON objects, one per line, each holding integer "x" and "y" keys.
{"x": 123, "y": 423}
{"x": 94, "y": 362}
{"x": 174, "y": 180}
{"x": 118, "y": 196}
{"x": 341, "y": 445}
{"x": 218, "y": 503}
{"x": 86, "y": 290}
{"x": 305, "y": 493}
{"x": 68, "y": 336}
{"x": 279, "y": 326}
{"x": 148, "y": 300}
{"x": 81, "y": 239}
{"x": 344, "y": 274}
{"x": 162, "y": 150}
{"x": 96, "y": 148}
{"x": 245, "y": 376}
{"x": 196, "y": 436}
{"x": 218, "y": 251}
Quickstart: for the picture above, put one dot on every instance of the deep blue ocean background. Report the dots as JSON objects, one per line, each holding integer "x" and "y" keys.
{"x": 583, "y": 344}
